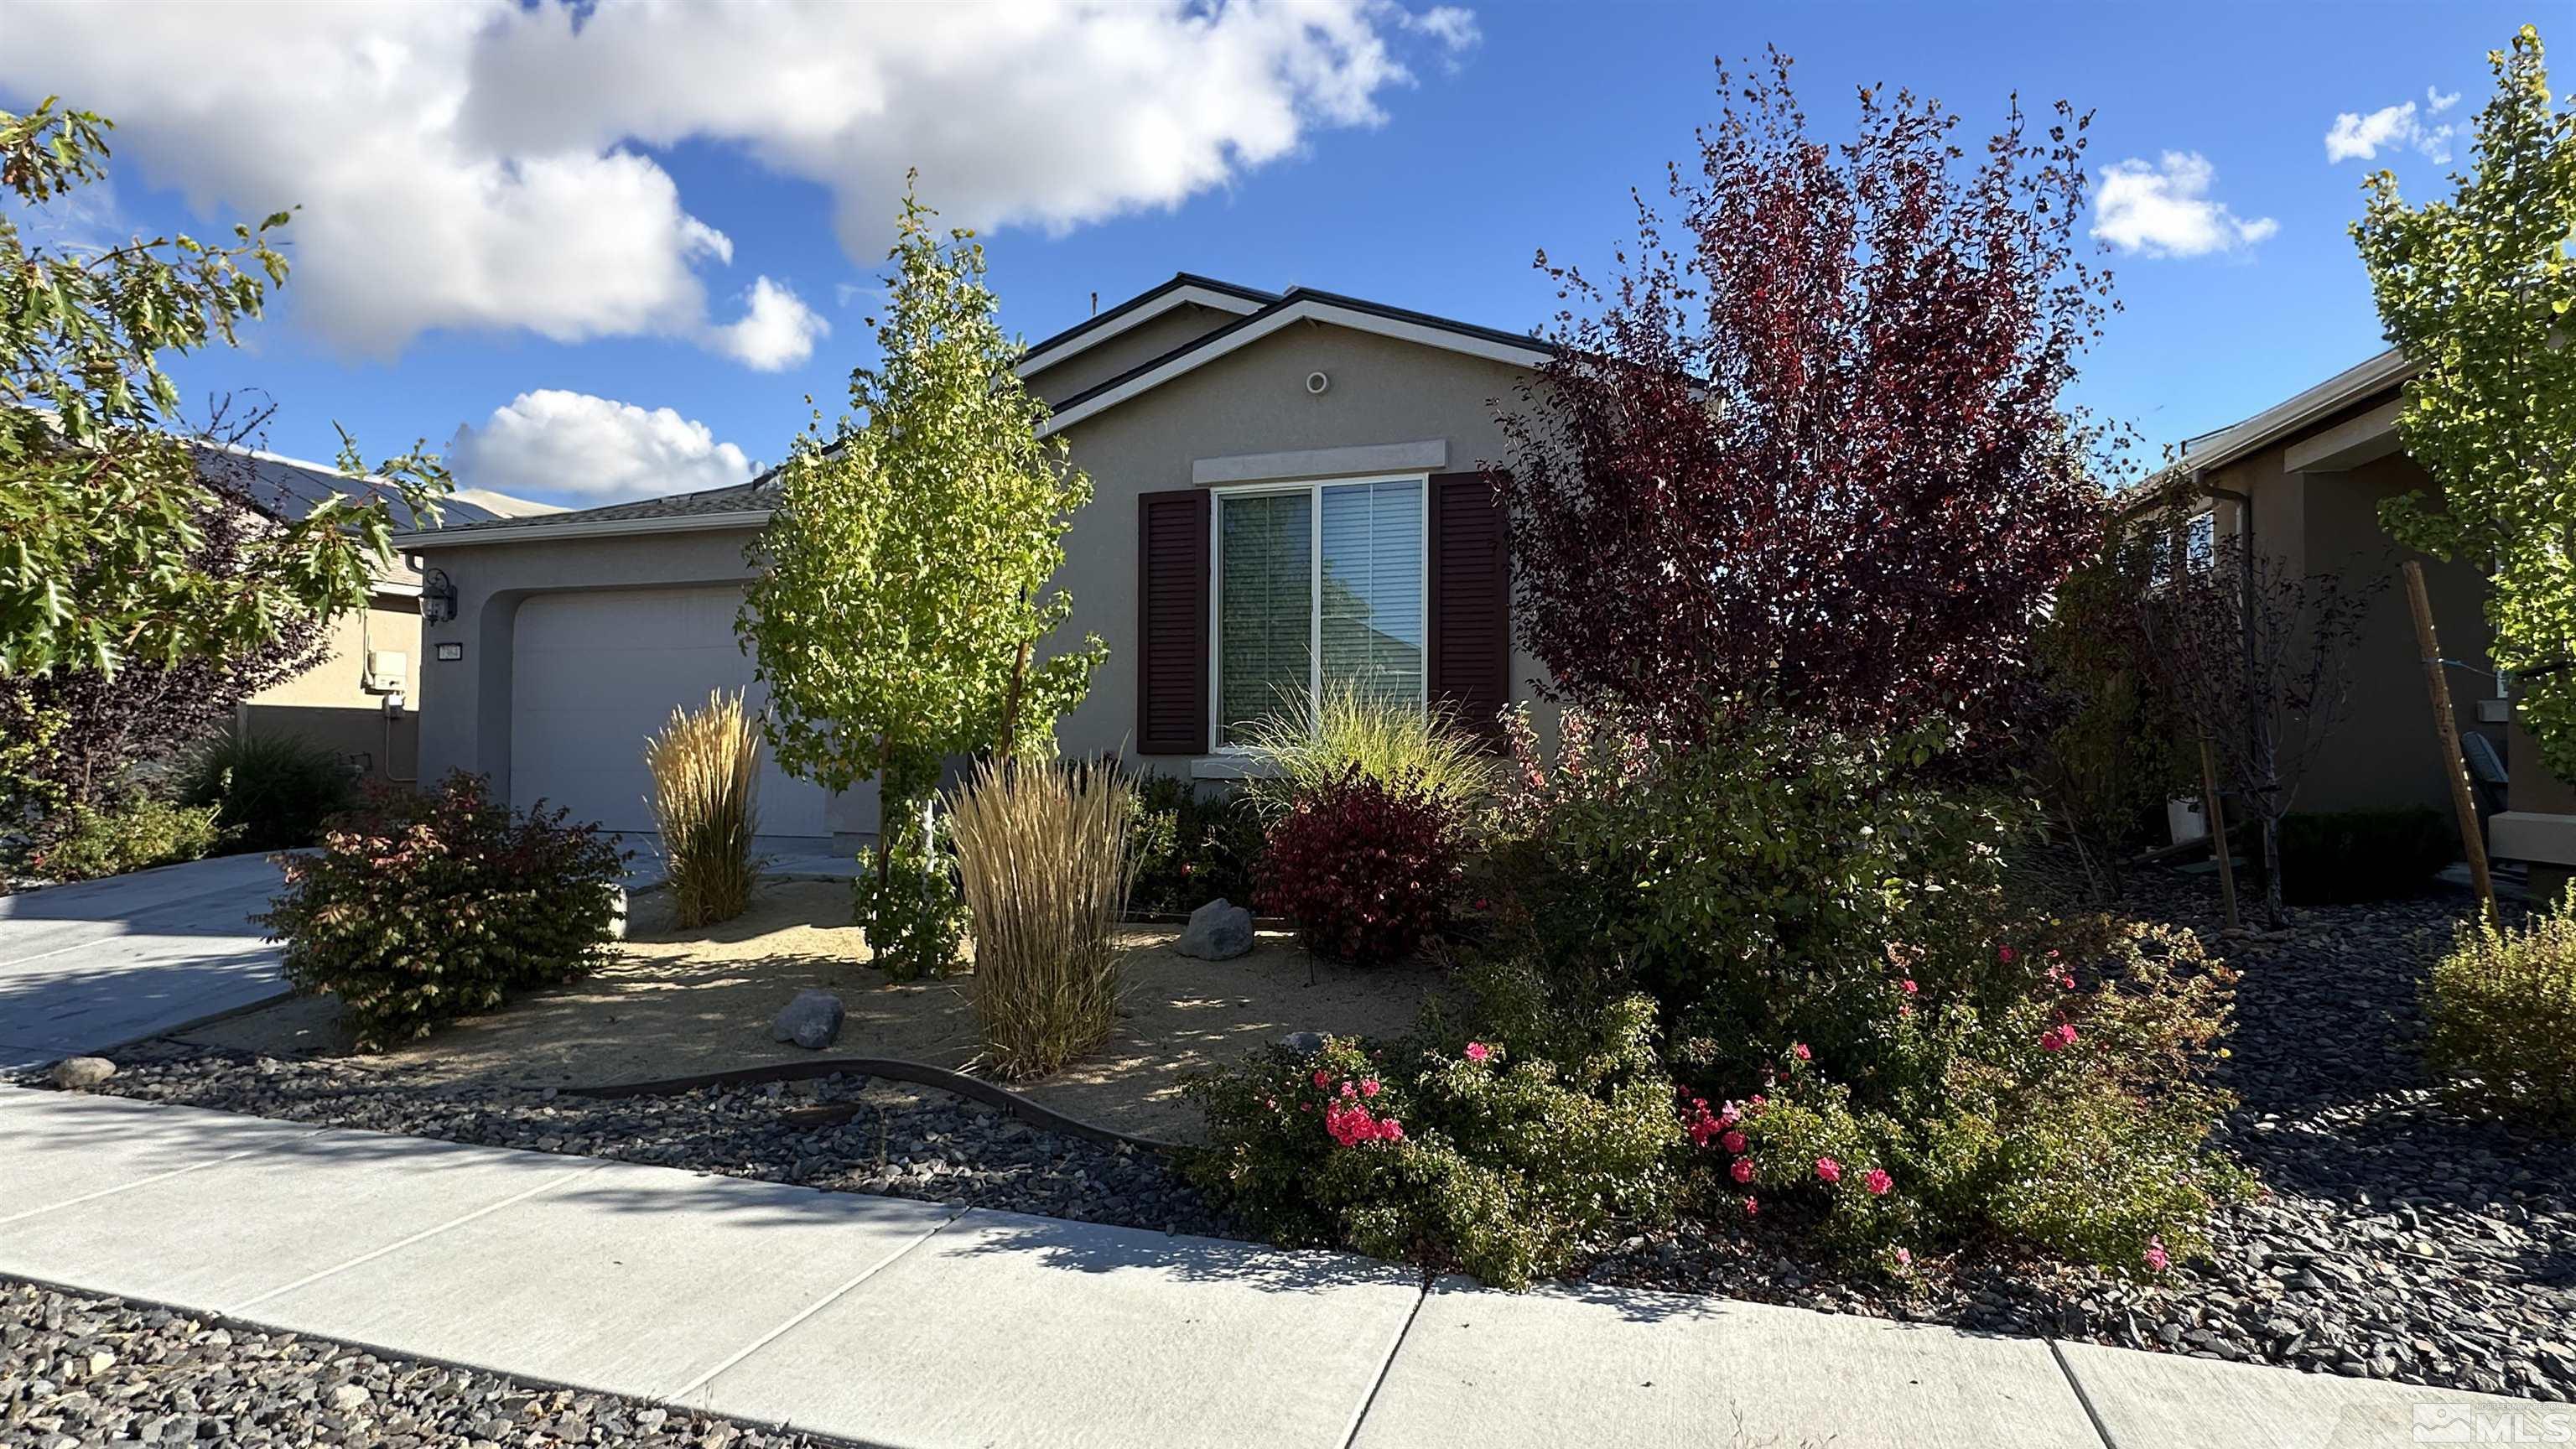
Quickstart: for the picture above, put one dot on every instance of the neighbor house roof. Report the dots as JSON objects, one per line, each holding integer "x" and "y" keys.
{"x": 289, "y": 488}
{"x": 747, "y": 505}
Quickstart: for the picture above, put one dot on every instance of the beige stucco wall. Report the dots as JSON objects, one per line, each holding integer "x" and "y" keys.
{"x": 1141, "y": 343}
{"x": 328, "y": 704}
{"x": 2383, "y": 754}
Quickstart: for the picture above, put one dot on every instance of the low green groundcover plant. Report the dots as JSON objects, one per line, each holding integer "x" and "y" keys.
{"x": 420, "y": 909}
{"x": 135, "y": 834}
{"x": 1495, "y": 1155}
{"x": 2503, "y": 1010}
{"x": 269, "y": 792}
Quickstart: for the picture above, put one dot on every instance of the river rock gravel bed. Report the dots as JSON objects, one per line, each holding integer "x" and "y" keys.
{"x": 79, "y": 1371}
{"x": 843, "y": 1133}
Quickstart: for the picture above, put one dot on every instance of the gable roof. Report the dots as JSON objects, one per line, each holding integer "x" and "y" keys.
{"x": 1301, "y": 304}
{"x": 2279, "y": 422}
{"x": 1184, "y": 289}
{"x": 747, "y": 505}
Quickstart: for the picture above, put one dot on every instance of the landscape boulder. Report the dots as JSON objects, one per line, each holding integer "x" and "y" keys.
{"x": 1218, "y": 931}
{"x": 812, "y": 1020}
{"x": 79, "y": 1074}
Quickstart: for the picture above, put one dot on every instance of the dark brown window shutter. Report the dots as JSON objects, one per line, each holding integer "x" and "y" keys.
{"x": 1172, "y": 622}
{"x": 1471, "y": 602}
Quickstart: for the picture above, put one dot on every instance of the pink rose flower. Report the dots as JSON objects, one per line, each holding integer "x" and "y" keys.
{"x": 1369, "y": 1087}
{"x": 1751, "y": 1206}
{"x": 1733, "y": 1142}
{"x": 1829, "y": 1170}
{"x": 1799, "y": 1049}
{"x": 1907, "y": 986}
{"x": 1877, "y": 1181}
{"x": 1904, "y": 1258}
{"x": 1323, "y": 1078}
{"x": 2157, "y": 1260}
{"x": 1742, "y": 1171}
{"x": 2004, "y": 954}
{"x": 1477, "y": 1051}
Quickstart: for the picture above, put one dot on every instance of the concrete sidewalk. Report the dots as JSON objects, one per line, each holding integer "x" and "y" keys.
{"x": 907, "y": 1324}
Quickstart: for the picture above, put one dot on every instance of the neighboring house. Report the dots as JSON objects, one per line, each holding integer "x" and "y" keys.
{"x": 2316, "y": 467}
{"x": 359, "y": 700}
{"x": 1287, "y": 497}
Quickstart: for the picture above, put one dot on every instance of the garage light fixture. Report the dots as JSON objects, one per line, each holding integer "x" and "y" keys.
{"x": 437, "y": 597}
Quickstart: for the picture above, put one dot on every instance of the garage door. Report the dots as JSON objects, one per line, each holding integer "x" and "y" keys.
{"x": 592, "y": 674}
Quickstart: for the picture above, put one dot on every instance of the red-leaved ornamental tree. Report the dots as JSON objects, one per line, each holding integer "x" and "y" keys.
{"x": 1815, "y": 454}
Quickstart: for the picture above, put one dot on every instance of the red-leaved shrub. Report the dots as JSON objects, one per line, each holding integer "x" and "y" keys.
{"x": 1362, "y": 866}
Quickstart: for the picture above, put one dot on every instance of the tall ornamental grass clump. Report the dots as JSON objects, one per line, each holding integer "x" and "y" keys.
{"x": 1315, "y": 746}
{"x": 706, "y": 786}
{"x": 1044, "y": 863}
{"x": 2503, "y": 1008}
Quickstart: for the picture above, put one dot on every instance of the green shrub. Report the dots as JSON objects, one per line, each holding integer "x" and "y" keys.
{"x": 1457, "y": 1153}
{"x": 269, "y": 792}
{"x": 2364, "y": 855}
{"x": 142, "y": 832}
{"x": 1192, "y": 848}
{"x": 1824, "y": 926}
{"x": 1386, "y": 740}
{"x": 420, "y": 909}
{"x": 2503, "y": 1010}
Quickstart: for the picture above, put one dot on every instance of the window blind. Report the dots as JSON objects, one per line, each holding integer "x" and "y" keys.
{"x": 1265, "y": 608}
{"x": 1372, "y": 590}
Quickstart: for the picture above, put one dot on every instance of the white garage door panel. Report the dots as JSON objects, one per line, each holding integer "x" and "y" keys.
{"x": 592, "y": 674}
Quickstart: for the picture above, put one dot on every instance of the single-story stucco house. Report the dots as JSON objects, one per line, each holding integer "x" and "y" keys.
{"x": 2315, "y": 467}
{"x": 1288, "y": 496}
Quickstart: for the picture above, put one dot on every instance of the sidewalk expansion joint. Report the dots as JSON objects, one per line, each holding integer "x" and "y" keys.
{"x": 550, "y": 1184}
{"x": 680, "y": 1395}
{"x": 1385, "y": 1367}
{"x": 2092, "y": 1415}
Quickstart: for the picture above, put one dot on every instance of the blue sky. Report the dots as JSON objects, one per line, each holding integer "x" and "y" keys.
{"x": 1417, "y": 158}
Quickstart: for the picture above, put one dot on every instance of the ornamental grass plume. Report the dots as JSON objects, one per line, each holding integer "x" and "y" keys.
{"x": 1045, "y": 861}
{"x": 1388, "y": 740}
{"x": 706, "y": 786}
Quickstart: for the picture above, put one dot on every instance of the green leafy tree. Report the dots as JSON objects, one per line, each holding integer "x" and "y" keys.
{"x": 902, "y": 581}
{"x": 2476, "y": 290}
{"x": 101, "y": 503}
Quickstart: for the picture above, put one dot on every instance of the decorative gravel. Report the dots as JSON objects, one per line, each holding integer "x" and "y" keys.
{"x": 2397, "y": 1238}
{"x": 843, "y": 1133}
{"x": 77, "y": 1371}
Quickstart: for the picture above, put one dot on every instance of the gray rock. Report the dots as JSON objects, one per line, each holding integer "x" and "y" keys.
{"x": 1218, "y": 931}
{"x": 79, "y": 1074}
{"x": 1303, "y": 1041}
{"x": 812, "y": 1020}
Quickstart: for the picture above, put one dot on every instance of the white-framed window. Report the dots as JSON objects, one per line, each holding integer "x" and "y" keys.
{"x": 2195, "y": 539}
{"x": 1319, "y": 586}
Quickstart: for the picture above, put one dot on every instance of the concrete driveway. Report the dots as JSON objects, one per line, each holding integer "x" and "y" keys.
{"x": 91, "y": 966}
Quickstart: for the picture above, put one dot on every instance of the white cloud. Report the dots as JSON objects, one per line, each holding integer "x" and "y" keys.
{"x": 475, "y": 164}
{"x": 2355, "y": 136}
{"x": 777, "y": 331}
{"x": 2165, "y": 210}
{"x": 551, "y": 443}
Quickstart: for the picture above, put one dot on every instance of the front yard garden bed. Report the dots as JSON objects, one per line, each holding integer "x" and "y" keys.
{"x": 684, "y": 1003}
{"x": 2397, "y": 1238}
{"x": 81, "y": 1369}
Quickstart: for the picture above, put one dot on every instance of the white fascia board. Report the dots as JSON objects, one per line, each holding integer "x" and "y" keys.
{"x": 2290, "y": 414}
{"x": 1037, "y": 362}
{"x": 599, "y": 528}
{"x": 1304, "y": 310}
{"x": 2348, "y": 444}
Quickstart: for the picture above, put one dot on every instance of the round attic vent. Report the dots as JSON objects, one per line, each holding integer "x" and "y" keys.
{"x": 1316, "y": 382}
